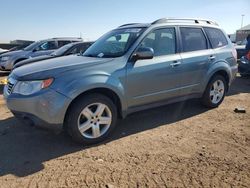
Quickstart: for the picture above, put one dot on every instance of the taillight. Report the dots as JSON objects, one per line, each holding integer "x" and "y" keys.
{"x": 234, "y": 52}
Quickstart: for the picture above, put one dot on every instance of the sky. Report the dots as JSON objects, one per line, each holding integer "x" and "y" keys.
{"x": 36, "y": 20}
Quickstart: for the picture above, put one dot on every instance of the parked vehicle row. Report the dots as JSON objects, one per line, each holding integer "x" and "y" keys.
{"x": 68, "y": 49}
{"x": 131, "y": 68}
{"x": 44, "y": 47}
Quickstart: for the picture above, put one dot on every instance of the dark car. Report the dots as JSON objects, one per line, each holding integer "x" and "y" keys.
{"x": 244, "y": 66}
{"x": 240, "y": 48}
{"x": 69, "y": 49}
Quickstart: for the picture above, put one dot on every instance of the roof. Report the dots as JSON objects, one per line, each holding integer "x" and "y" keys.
{"x": 247, "y": 27}
{"x": 175, "y": 21}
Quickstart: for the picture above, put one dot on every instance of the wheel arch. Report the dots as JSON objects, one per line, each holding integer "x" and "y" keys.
{"x": 108, "y": 92}
{"x": 223, "y": 73}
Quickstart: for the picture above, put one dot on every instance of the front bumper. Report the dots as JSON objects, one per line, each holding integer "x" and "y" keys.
{"x": 46, "y": 108}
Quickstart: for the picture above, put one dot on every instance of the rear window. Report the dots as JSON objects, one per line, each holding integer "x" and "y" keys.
{"x": 216, "y": 37}
{"x": 193, "y": 39}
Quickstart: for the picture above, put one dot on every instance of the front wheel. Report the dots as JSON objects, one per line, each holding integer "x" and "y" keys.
{"x": 215, "y": 92}
{"x": 91, "y": 119}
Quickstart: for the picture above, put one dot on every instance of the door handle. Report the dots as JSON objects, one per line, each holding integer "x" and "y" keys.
{"x": 175, "y": 63}
{"x": 211, "y": 57}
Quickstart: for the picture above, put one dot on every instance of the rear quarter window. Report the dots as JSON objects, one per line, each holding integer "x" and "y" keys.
{"x": 216, "y": 37}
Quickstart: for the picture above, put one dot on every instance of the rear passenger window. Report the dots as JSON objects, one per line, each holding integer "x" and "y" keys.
{"x": 193, "y": 39}
{"x": 216, "y": 37}
{"x": 162, "y": 41}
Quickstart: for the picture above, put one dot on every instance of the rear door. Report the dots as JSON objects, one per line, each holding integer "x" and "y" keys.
{"x": 196, "y": 55}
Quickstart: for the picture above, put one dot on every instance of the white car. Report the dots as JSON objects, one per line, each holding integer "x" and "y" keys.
{"x": 3, "y": 50}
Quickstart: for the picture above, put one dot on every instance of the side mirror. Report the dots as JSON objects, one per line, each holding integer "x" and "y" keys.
{"x": 143, "y": 53}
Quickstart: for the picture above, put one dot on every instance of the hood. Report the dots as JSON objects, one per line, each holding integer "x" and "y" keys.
{"x": 55, "y": 67}
{"x": 15, "y": 53}
{"x": 33, "y": 60}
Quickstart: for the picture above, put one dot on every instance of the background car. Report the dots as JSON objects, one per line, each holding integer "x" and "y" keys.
{"x": 244, "y": 66}
{"x": 240, "y": 47}
{"x": 39, "y": 48}
{"x": 3, "y": 51}
{"x": 19, "y": 47}
{"x": 69, "y": 49}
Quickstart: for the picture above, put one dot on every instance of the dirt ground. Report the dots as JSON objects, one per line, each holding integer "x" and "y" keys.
{"x": 178, "y": 145}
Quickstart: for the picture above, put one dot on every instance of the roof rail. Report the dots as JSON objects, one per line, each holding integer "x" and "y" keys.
{"x": 128, "y": 24}
{"x": 195, "y": 20}
{"x": 66, "y": 38}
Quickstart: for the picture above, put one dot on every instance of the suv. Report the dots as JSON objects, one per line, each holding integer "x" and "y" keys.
{"x": 39, "y": 48}
{"x": 131, "y": 68}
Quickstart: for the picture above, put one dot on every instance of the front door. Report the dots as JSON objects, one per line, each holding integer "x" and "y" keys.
{"x": 156, "y": 79}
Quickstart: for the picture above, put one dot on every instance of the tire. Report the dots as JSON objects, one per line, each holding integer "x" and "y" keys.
{"x": 83, "y": 119}
{"x": 211, "y": 97}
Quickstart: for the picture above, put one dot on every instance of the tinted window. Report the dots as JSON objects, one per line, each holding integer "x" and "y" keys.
{"x": 162, "y": 41}
{"x": 193, "y": 39}
{"x": 49, "y": 45}
{"x": 62, "y": 43}
{"x": 74, "y": 50}
{"x": 84, "y": 47}
{"x": 216, "y": 37}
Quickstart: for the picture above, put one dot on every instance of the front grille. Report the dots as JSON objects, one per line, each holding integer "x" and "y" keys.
{"x": 9, "y": 87}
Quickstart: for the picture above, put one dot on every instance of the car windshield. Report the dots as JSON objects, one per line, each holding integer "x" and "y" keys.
{"x": 114, "y": 44}
{"x": 63, "y": 49}
{"x": 31, "y": 46}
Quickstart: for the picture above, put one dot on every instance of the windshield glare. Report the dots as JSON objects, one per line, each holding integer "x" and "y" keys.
{"x": 63, "y": 49}
{"x": 115, "y": 43}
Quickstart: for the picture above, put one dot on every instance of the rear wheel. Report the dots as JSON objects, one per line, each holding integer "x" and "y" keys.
{"x": 91, "y": 119}
{"x": 215, "y": 92}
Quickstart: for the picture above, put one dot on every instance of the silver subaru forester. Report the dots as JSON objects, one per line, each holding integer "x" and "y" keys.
{"x": 131, "y": 68}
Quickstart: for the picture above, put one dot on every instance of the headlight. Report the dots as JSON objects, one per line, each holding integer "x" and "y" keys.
{"x": 5, "y": 58}
{"x": 31, "y": 87}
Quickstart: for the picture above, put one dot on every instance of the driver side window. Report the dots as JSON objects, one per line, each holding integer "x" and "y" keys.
{"x": 162, "y": 41}
{"x": 49, "y": 45}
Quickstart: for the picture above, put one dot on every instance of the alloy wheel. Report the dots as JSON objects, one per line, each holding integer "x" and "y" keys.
{"x": 94, "y": 120}
{"x": 217, "y": 91}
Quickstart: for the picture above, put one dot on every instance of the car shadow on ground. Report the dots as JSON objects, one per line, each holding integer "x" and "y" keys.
{"x": 24, "y": 149}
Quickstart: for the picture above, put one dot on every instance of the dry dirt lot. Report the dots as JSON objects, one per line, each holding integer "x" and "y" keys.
{"x": 178, "y": 145}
